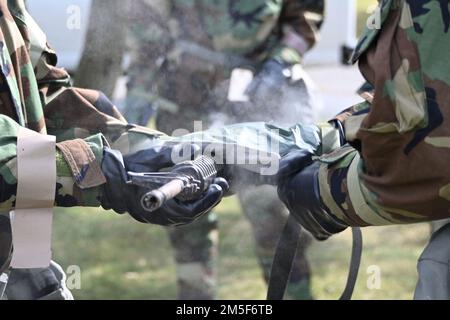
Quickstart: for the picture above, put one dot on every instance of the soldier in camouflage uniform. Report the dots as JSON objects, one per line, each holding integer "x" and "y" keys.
{"x": 392, "y": 167}
{"x": 346, "y": 186}
{"x": 35, "y": 94}
{"x": 183, "y": 53}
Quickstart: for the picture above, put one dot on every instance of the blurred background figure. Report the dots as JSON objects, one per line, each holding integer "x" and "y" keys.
{"x": 222, "y": 62}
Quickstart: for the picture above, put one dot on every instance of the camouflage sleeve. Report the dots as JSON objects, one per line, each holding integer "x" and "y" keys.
{"x": 149, "y": 41}
{"x": 8, "y": 170}
{"x": 396, "y": 170}
{"x": 38, "y": 95}
{"x": 301, "y": 21}
{"x": 84, "y": 122}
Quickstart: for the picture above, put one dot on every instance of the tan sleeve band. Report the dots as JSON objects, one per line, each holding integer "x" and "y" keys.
{"x": 31, "y": 221}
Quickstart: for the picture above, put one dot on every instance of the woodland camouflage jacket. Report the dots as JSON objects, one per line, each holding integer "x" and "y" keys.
{"x": 397, "y": 170}
{"x": 37, "y": 95}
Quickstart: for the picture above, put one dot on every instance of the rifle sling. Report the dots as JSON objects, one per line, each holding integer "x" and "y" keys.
{"x": 285, "y": 255}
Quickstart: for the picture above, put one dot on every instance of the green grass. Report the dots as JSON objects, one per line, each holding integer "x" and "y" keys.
{"x": 122, "y": 259}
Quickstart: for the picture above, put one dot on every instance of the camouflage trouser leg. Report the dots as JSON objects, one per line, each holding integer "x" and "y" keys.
{"x": 268, "y": 216}
{"x": 28, "y": 284}
{"x": 38, "y": 284}
{"x": 434, "y": 267}
{"x": 196, "y": 258}
{"x": 195, "y": 245}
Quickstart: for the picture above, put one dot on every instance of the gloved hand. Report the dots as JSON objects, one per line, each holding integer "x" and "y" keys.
{"x": 266, "y": 85}
{"x": 299, "y": 190}
{"x": 122, "y": 197}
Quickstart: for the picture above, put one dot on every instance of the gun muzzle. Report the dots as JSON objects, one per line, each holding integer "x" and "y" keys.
{"x": 190, "y": 180}
{"x": 154, "y": 200}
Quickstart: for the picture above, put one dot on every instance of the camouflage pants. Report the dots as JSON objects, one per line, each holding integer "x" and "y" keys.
{"x": 267, "y": 216}
{"x": 434, "y": 266}
{"x": 28, "y": 284}
{"x": 37, "y": 284}
{"x": 196, "y": 246}
{"x": 196, "y": 253}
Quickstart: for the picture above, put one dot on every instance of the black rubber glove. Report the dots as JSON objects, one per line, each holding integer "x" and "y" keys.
{"x": 122, "y": 197}
{"x": 300, "y": 192}
{"x": 267, "y": 83}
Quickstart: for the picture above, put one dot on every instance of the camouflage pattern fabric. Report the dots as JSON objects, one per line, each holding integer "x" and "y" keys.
{"x": 252, "y": 30}
{"x": 196, "y": 254}
{"x": 396, "y": 170}
{"x": 36, "y": 94}
{"x": 185, "y": 86}
{"x": 433, "y": 268}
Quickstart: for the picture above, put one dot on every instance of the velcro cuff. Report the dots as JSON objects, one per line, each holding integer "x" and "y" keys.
{"x": 330, "y": 136}
{"x": 82, "y": 162}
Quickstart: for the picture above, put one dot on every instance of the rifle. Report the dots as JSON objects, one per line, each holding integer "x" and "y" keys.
{"x": 186, "y": 182}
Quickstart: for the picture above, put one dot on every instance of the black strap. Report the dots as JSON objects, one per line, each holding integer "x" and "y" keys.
{"x": 283, "y": 259}
{"x": 355, "y": 263}
{"x": 285, "y": 255}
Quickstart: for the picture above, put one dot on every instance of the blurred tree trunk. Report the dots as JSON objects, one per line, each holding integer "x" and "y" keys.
{"x": 101, "y": 62}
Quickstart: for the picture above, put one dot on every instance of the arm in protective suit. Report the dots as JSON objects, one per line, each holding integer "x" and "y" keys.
{"x": 298, "y": 30}
{"x": 393, "y": 169}
{"x": 300, "y": 23}
{"x": 270, "y": 38}
{"x": 92, "y": 136}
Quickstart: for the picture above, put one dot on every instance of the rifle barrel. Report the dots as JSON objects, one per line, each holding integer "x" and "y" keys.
{"x": 154, "y": 200}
